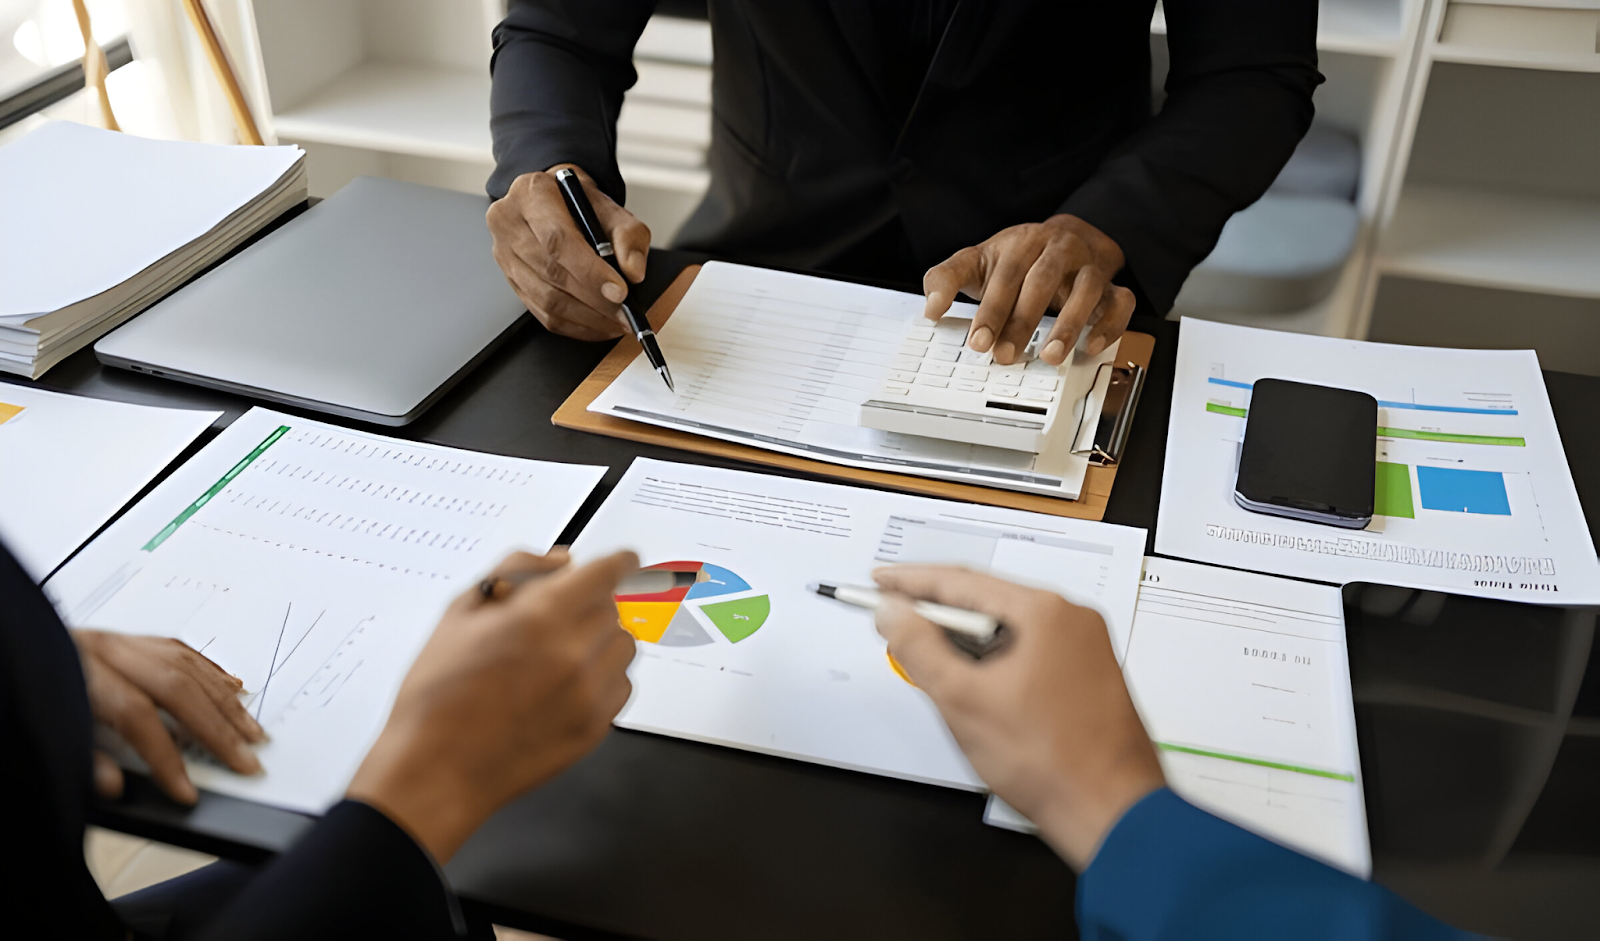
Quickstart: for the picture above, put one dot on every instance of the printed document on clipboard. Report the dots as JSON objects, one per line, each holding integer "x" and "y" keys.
{"x": 784, "y": 361}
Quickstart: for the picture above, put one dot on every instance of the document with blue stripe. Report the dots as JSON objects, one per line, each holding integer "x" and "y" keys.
{"x": 1473, "y": 491}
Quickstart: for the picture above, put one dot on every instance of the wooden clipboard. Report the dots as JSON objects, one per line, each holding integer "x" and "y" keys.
{"x": 574, "y": 413}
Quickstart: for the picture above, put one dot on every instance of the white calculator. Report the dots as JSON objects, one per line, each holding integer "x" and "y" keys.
{"x": 938, "y": 388}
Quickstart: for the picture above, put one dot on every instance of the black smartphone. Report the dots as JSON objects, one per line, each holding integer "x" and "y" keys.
{"x": 1309, "y": 453}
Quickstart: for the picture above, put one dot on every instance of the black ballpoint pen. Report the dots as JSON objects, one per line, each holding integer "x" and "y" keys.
{"x": 583, "y": 215}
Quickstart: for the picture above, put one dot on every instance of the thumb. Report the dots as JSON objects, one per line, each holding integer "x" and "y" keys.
{"x": 918, "y": 644}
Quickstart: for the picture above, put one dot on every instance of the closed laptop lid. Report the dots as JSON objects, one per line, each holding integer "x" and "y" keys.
{"x": 365, "y": 305}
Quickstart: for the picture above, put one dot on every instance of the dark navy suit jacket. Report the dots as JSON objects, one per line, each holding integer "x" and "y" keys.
{"x": 1169, "y": 870}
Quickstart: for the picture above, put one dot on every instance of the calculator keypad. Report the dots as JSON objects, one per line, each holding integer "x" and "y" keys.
{"x": 937, "y": 357}
{"x": 938, "y": 388}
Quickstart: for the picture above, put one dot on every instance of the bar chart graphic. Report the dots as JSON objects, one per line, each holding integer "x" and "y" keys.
{"x": 1392, "y": 495}
{"x": 1465, "y": 490}
{"x": 700, "y": 598}
{"x": 1460, "y": 490}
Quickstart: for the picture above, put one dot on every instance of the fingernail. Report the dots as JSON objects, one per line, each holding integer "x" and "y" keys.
{"x": 935, "y": 302}
{"x": 187, "y": 793}
{"x": 1096, "y": 344}
{"x": 247, "y": 760}
{"x": 257, "y": 733}
{"x": 1005, "y": 352}
{"x": 981, "y": 339}
{"x": 613, "y": 292}
{"x": 1055, "y": 351}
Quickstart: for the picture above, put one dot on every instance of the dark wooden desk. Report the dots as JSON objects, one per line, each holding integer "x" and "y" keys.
{"x": 661, "y": 838}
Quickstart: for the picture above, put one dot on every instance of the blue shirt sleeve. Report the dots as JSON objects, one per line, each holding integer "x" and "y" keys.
{"x": 1170, "y": 870}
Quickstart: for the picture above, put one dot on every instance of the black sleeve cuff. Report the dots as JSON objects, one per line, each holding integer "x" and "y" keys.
{"x": 559, "y": 72}
{"x": 356, "y": 874}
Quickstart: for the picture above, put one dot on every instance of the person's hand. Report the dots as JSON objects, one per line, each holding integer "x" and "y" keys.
{"x": 553, "y": 269}
{"x": 507, "y": 693}
{"x": 130, "y": 678}
{"x": 1046, "y": 720}
{"x": 1062, "y": 263}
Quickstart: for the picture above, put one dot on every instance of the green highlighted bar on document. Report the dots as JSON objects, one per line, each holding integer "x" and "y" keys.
{"x": 1445, "y": 436}
{"x": 1275, "y": 765}
{"x": 215, "y": 489}
{"x": 1451, "y": 437}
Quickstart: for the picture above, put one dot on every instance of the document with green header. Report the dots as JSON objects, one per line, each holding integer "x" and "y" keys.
{"x": 1243, "y": 683}
{"x": 312, "y": 562}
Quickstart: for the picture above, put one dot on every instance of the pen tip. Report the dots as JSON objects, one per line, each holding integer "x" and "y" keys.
{"x": 667, "y": 378}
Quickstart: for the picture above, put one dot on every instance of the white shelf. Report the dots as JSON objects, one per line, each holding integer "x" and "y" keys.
{"x": 406, "y": 109}
{"x": 674, "y": 179}
{"x": 1559, "y": 35}
{"x": 661, "y": 123}
{"x": 660, "y": 154}
{"x": 1517, "y": 58}
{"x": 1535, "y": 4}
{"x": 1515, "y": 241}
{"x": 1359, "y": 28}
{"x": 671, "y": 82}
{"x": 428, "y": 112}
{"x": 675, "y": 39}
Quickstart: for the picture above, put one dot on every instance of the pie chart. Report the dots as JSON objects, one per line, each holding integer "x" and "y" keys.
{"x": 681, "y": 604}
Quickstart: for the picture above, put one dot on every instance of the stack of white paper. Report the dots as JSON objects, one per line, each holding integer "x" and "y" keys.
{"x": 312, "y": 562}
{"x": 67, "y": 463}
{"x": 98, "y": 225}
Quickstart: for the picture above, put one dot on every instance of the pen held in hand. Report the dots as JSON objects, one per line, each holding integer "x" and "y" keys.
{"x": 583, "y": 214}
{"x": 976, "y": 633}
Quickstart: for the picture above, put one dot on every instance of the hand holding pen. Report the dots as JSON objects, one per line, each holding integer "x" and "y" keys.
{"x": 1047, "y": 721}
{"x": 598, "y": 239}
{"x": 554, "y": 269}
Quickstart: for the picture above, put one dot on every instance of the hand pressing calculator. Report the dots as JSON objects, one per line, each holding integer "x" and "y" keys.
{"x": 938, "y": 388}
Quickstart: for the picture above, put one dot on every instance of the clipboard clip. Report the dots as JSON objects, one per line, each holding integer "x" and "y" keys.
{"x": 1116, "y": 413}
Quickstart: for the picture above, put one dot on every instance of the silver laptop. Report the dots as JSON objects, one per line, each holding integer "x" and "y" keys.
{"x": 369, "y": 305}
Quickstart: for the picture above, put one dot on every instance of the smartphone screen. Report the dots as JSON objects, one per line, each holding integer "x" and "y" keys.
{"x": 1309, "y": 453}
